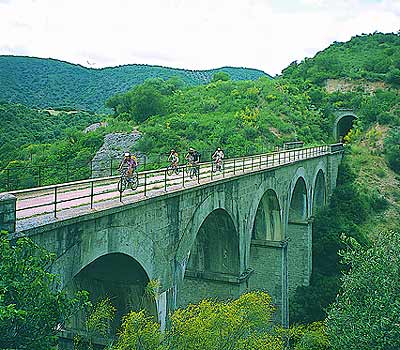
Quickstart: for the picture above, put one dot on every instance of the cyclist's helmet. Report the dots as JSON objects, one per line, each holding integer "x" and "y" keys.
{"x": 127, "y": 154}
{"x": 172, "y": 151}
{"x": 191, "y": 150}
{"x": 218, "y": 149}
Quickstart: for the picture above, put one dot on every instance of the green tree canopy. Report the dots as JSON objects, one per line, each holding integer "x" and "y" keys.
{"x": 32, "y": 308}
{"x": 366, "y": 313}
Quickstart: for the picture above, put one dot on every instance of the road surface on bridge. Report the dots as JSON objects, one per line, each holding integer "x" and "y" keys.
{"x": 38, "y": 206}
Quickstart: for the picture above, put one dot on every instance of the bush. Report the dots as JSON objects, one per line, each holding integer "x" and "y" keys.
{"x": 392, "y": 149}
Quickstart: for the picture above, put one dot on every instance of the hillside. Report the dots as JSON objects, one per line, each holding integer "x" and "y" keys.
{"x": 21, "y": 126}
{"x": 372, "y": 57}
{"x": 44, "y": 83}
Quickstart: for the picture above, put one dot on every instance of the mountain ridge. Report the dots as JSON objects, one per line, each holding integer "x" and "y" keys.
{"x": 52, "y": 83}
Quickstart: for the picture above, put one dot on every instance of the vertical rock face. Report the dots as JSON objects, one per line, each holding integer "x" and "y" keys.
{"x": 107, "y": 157}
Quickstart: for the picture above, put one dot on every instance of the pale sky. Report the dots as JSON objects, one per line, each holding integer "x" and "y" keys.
{"x": 192, "y": 34}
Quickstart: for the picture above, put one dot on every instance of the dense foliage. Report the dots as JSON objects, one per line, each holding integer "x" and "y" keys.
{"x": 242, "y": 117}
{"x": 392, "y": 149}
{"x": 32, "y": 308}
{"x": 366, "y": 312}
{"x": 45, "y": 83}
{"x": 371, "y": 57}
{"x": 21, "y": 126}
{"x": 240, "y": 324}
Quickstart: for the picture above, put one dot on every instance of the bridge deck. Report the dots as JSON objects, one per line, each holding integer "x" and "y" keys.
{"x": 39, "y": 206}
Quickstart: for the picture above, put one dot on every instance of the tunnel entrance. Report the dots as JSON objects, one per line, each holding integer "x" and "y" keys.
{"x": 343, "y": 127}
{"x": 120, "y": 278}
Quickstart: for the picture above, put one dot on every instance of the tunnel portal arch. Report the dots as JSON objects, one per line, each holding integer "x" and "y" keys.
{"x": 343, "y": 124}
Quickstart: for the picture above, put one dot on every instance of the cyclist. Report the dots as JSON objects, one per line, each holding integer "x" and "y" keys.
{"x": 193, "y": 157}
{"x": 174, "y": 159}
{"x": 218, "y": 157}
{"x": 129, "y": 162}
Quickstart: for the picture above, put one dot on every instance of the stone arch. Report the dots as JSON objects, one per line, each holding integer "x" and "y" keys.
{"x": 343, "y": 124}
{"x": 298, "y": 203}
{"x": 216, "y": 247}
{"x": 191, "y": 229}
{"x": 119, "y": 277}
{"x": 126, "y": 245}
{"x": 208, "y": 257}
{"x": 319, "y": 192}
{"x": 267, "y": 222}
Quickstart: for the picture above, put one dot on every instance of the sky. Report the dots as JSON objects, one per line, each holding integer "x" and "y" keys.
{"x": 191, "y": 34}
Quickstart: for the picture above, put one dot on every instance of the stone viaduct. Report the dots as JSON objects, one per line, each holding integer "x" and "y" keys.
{"x": 215, "y": 240}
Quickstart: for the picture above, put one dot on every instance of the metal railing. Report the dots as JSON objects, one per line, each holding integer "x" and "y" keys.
{"x": 88, "y": 194}
{"x": 31, "y": 176}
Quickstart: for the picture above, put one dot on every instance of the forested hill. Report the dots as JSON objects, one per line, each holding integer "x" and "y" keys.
{"x": 372, "y": 57}
{"x": 44, "y": 83}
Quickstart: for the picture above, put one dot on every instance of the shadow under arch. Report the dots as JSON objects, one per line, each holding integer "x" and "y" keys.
{"x": 299, "y": 235}
{"x": 119, "y": 277}
{"x": 319, "y": 192}
{"x": 298, "y": 208}
{"x": 213, "y": 260}
{"x": 267, "y": 223}
{"x": 343, "y": 124}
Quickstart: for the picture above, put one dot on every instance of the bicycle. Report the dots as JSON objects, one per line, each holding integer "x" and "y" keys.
{"x": 172, "y": 169}
{"x": 217, "y": 165}
{"x": 125, "y": 181}
{"x": 192, "y": 170}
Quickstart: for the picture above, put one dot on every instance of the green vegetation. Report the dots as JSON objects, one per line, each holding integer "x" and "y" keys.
{"x": 44, "y": 83}
{"x": 32, "y": 308}
{"x": 373, "y": 57}
{"x": 251, "y": 117}
{"x": 240, "y": 324}
{"x": 22, "y": 126}
{"x": 366, "y": 312}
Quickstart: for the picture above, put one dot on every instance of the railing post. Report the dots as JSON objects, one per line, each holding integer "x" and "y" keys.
{"x": 39, "y": 176}
{"x": 8, "y": 180}
{"x": 211, "y": 170}
{"x": 198, "y": 173}
{"x": 260, "y": 161}
{"x": 145, "y": 184}
{"x": 55, "y": 201}
{"x": 183, "y": 176}
{"x": 234, "y": 166}
{"x": 243, "y": 164}
{"x": 91, "y": 194}
{"x": 165, "y": 180}
{"x": 252, "y": 162}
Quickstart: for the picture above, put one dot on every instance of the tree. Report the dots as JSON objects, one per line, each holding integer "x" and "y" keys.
{"x": 33, "y": 309}
{"x": 366, "y": 312}
{"x": 392, "y": 149}
{"x": 223, "y": 76}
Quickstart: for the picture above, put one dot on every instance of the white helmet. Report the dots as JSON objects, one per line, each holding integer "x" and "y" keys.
{"x": 127, "y": 154}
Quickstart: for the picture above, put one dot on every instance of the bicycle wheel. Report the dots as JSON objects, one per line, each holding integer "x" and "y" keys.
{"x": 170, "y": 170}
{"x": 193, "y": 172}
{"x": 121, "y": 184}
{"x": 134, "y": 183}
